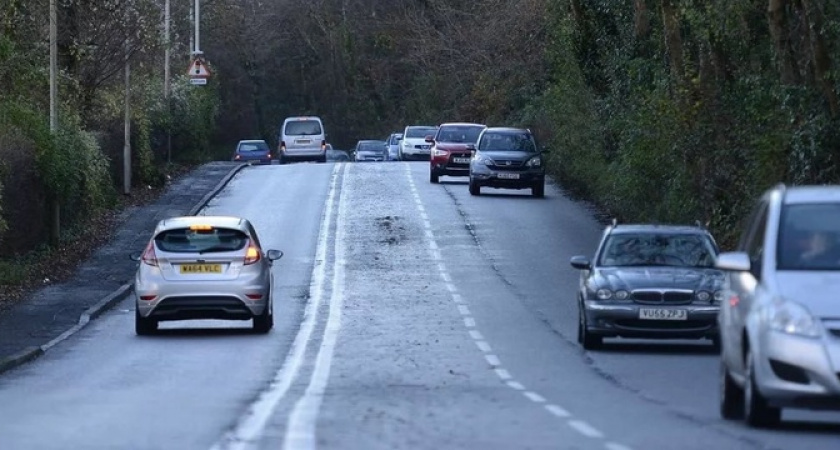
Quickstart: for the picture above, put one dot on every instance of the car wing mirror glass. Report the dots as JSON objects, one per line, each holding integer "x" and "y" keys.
{"x": 430, "y": 138}
{"x": 734, "y": 261}
{"x": 273, "y": 255}
{"x": 135, "y": 256}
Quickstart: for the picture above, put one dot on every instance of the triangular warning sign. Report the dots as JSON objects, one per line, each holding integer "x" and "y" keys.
{"x": 198, "y": 69}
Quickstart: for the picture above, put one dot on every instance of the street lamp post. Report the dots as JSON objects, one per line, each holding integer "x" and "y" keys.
{"x": 55, "y": 226}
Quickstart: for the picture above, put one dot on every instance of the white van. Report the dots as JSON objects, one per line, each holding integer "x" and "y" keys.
{"x": 302, "y": 138}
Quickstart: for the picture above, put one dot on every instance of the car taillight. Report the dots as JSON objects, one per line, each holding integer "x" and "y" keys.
{"x": 252, "y": 255}
{"x": 238, "y": 157}
{"x": 269, "y": 155}
{"x": 323, "y": 145}
{"x": 149, "y": 257}
{"x": 282, "y": 146}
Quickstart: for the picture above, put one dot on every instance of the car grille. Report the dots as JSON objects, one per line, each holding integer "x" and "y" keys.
{"x": 652, "y": 297}
{"x": 682, "y": 325}
{"x": 508, "y": 165}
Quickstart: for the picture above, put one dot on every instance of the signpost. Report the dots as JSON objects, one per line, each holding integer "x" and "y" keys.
{"x": 198, "y": 72}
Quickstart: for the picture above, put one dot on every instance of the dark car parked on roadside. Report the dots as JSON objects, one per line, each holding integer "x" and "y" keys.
{"x": 650, "y": 281}
{"x": 507, "y": 158}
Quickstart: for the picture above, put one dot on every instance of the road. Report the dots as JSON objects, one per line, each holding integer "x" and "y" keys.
{"x": 408, "y": 316}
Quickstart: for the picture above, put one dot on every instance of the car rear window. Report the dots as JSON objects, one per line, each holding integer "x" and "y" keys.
{"x": 303, "y": 128}
{"x": 253, "y": 147}
{"x": 420, "y": 132}
{"x": 378, "y": 147}
{"x": 205, "y": 240}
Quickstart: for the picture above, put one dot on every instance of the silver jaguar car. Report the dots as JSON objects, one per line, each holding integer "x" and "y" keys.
{"x": 204, "y": 267}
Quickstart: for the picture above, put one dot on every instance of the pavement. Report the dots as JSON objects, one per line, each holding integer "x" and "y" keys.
{"x": 55, "y": 312}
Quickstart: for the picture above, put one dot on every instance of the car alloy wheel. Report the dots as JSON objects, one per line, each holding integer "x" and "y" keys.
{"x": 144, "y": 326}
{"x": 586, "y": 339}
{"x": 756, "y": 410}
{"x": 731, "y": 395}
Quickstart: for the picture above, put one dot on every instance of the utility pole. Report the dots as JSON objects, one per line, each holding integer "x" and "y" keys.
{"x": 167, "y": 82}
{"x": 127, "y": 126}
{"x": 197, "y": 28}
{"x": 55, "y": 226}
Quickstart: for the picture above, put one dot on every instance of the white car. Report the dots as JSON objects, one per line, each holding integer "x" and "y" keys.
{"x": 302, "y": 138}
{"x": 413, "y": 145}
{"x": 204, "y": 267}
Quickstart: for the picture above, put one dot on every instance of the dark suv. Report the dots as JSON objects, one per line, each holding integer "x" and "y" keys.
{"x": 507, "y": 158}
{"x": 451, "y": 153}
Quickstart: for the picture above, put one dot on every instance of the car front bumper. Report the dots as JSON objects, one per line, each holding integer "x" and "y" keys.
{"x": 623, "y": 320}
{"x": 797, "y": 371}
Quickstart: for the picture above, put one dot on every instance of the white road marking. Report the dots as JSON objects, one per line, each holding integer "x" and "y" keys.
{"x": 503, "y": 374}
{"x": 469, "y": 322}
{"x": 433, "y": 245}
{"x": 444, "y": 275}
{"x": 451, "y": 288}
{"x": 493, "y": 360}
{"x": 516, "y": 385}
{"x": 483, "y": 346}
{"x": 557, "y": 411}
{"x": 464, "y": 310}
{"x": 534, "y": 397}
{"x": 436, "y": 255}
{"x": 475, "y": 334}
{"x": 251, "y": 426}
{"x": 300, "y": 429}
{"x": 585, "y": 429}
{"x": 457, "y": 298}
{"x": 616, "y": 446}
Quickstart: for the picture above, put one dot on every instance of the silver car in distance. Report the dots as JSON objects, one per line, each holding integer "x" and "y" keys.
{"x": 204, "y": 267}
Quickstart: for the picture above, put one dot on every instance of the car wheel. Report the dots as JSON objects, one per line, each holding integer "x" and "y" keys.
{"x": 475, "y": 189}
{"x": 716, "y": 345}
{"x": 434, "y": 178}
{"x": 756, "y": 410}
{"x": 281, "y": 159}
{"x": 538, "y": 190}
{"x": 731, "y": 395}
{"x": 586, "y": 339}
{"x": 265, "y": 321}
{"x": 144, "y": 326}
{"x": 322, "y": 159}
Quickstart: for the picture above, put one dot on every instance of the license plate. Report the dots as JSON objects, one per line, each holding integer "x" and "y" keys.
{"x": 663, "y": 314}
{"x": 509, "y": 176}
{"x": 201, "y": 268}
{"x": 425, "y": 147}
{"x": 303, "y": 141}
{"x": 461, "y": 160}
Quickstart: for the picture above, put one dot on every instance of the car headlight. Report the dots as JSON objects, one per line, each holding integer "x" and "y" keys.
{"x": 621, "y": 294}
{"x": 535, "y": 162}
{"x": 485, "y": 160}
{"x": 719, "y": 296}
{"x": 703, "y": 296}
{"x": 606, "y": 294}
{"x": 790, "y": 318}
{"x": 440, "y": 152}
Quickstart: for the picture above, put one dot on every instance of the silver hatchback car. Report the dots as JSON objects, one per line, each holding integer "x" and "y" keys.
{"x": 780, "y": 317}
{"x": 204, "y": 267}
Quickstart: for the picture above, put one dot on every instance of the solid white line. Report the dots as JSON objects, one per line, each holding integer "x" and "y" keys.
{"x": 457, "y": 298}
{"x": 475, "y": 334}
{"x": 250, "y": 426}
{"x": 429, "y": 233}
{"x": 483, "y": 346}
{"x": 493, "y": 360}
{"x": 516, "y": 385}
{"x": 558, "y": 411}
{"x": 464, "y": 310}
{"x": 469, "y": 322}
{"x": 616, "y": 446}
{"x": 503, "y": 374}
{"x": 585, "y": 429}
{"x": 300, "y": 430}
{"x": 534, "y": 397}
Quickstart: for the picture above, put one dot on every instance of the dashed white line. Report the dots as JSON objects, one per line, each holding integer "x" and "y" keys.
{"x": 483, "y": 346}
{"x": 534, "y": 397}
{"x": 585, "y": 429}
{"x": 503, "y": 374}
{"x": 469, "y": 322}
{"x": 493, "y": 360}
{"x": 445, "y": 275}
{"x": 616, "y": 446}
{"x": 558, "y": 411}
{"x": 451, "y": 288}
{"x": 475, "y": 334}
{"x": 464, "y": 310}
{"x": 516, "y": 385}
{"x": 457, "y": 298}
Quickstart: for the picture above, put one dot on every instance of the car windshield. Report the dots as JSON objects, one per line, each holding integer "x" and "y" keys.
{"x": 253, "y": 147}
{"x": 508, "y": 141}
{"x": 459, "y": 133}
{"x": 809, "y": 237}
{"x": 185, "y": 240}
{"x": 420, "y": 132}
{"x": 303, "y": 128}
{"x": 378, "y": 146}
{"x": 658, "y": 249}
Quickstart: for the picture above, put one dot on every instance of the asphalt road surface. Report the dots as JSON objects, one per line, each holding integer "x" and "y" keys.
{"x": 408, "y": 316}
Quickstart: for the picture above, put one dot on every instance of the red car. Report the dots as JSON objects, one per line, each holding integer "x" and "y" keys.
{"x": 449, "y": 153}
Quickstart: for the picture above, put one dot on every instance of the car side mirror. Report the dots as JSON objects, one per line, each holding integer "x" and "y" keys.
{"x": 273, "y": 255}
{"x": 734, "y": 261}
{"x": 471, "y": 147}
{"x": 135, "y": 256}
{"x": 581, "y": 262}
{"x": 430, "y": 139}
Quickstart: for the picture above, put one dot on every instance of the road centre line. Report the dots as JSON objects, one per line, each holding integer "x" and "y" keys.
{"x": 558, "y": 411}
{"x": 503, "y": 374}
{"x": 469, "y": 322}
{"x": 534, "y": 397}
{"x": 301, "y": 427}
{"x": 457, "y": 298}
{"x": 464, "y": 310}
{"x": 615, "y": 446}
{"x": 585, "y": 429}
{"x": 493, "y": 360}
{"x": 516, "y": 385}
{"x": 483, "y": 346}
{"x": 475, "y": 334}
{"x": 251, "y": 425}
